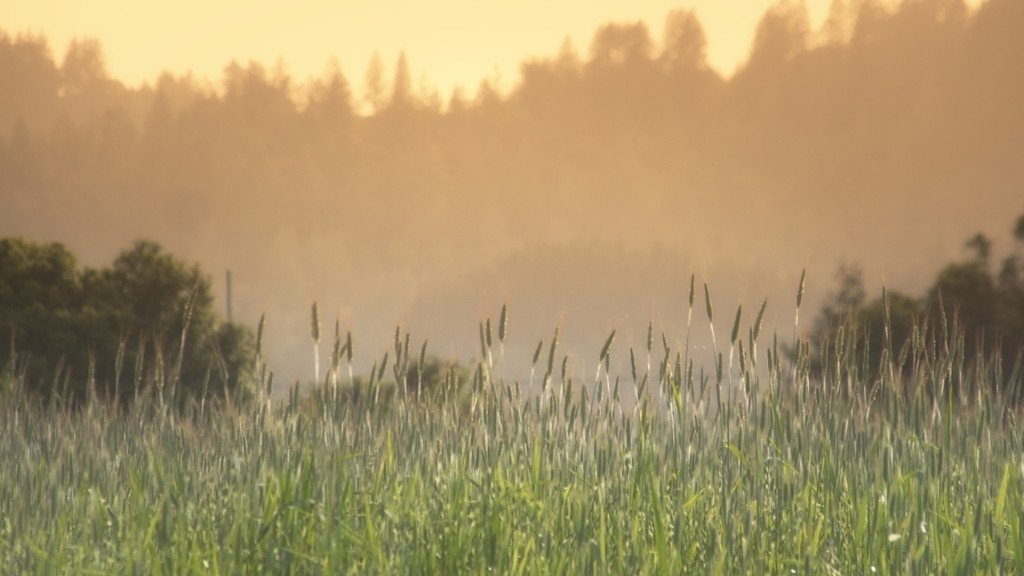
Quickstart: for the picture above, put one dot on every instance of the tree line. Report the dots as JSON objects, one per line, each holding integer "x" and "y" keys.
{"x": 148, "y": 320}
{"x": 635, "y": 124}
{"x": 358, "y": 192}
{"x": 146, "y": 325}
{"x": 112, "y": 333}
{"x": 974, "y": 300}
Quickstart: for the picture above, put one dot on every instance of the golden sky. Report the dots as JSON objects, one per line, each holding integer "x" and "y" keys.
{"x": 447, "y": 42}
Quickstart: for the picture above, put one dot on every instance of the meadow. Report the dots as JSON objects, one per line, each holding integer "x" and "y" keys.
{"x": 769, "y": 461}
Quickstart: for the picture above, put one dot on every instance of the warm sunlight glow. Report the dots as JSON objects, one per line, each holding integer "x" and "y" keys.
{"x": 758, "y": 262}
{"x": 581, "y": 183}
{"x": 448, "y": 42}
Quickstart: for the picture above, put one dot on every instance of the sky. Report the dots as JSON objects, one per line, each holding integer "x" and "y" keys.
{"x": 448, "y": 43}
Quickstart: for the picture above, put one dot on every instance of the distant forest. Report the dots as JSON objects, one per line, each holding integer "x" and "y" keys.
{"x": 889, "y": 135}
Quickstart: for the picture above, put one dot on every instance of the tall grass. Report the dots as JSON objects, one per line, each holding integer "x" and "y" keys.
{"x": 785, "y": 470}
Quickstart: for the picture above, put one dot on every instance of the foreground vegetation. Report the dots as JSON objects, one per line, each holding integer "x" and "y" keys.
{"x": 754, "y": 466}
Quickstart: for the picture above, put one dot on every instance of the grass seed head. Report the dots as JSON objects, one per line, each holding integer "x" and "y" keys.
{"x": 650, "y": 336}
{"x": 383, "y": 366}
{"x": 551, "y": 353}
{"x": 607, "y": 346}
{"x": 736, "y": 325}
{"x": 259, "y": 334}
{"x": 760, "y": 318}
{"x": 693, "y": 280}
{"x": 315, "y": 324}
{"x": 800, "y": 290}
{"x": 707, "y": 300}
{"x": 632, "y": 362}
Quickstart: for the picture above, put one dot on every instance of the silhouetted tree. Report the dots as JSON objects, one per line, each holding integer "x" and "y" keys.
{"x": 375, "y": 86}
{"x": 864, "y": 324}
{"x": 229, "y": 354}
{"x": 684, "y": 46}
{"x": 965, "y": 291}
{"x": 889, "y": 324}
{"x": 401, "y": 87}
{"x": 170, "y": 303}
{"x": 329, "y": 103}
{"x": 781, "y": 34}
{"x": 965, "y": 300}
{"x": 31, "y": 83}
{"x": 87, "y": 90}
{"x": 982, "y": 247}
{"x": 1011, "y": 288}
{"x": 625, "y": 45}
{"x": 65, "y": 324}
{"x": 40, "y": 297}
{"x": 845, "y": 303}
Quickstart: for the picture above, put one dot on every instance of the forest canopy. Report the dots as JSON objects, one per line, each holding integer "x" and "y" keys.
{"x": 884, "y": 138}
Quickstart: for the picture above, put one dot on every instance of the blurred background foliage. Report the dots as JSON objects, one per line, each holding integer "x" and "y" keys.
{"x": 969, "y": 299}
{"x": 146, "y": 319}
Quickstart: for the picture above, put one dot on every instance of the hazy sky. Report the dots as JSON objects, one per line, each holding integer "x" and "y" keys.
{"x": 448, "y": 42}
{"x": 587, "y": 201}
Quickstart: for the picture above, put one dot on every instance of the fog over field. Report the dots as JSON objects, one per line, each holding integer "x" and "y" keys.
{"x": 584, "y": 195}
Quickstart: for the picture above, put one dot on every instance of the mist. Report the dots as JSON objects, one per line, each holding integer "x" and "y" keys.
{"x": 585, "y": 196}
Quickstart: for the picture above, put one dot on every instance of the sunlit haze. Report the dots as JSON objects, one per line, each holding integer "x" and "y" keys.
{"x": 581, "y": 183}
{"x": 449, "y": 43}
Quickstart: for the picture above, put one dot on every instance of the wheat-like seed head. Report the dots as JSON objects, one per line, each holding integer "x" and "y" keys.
{"x": 503, "y": 323}
{"x": 551, "y": 353}
{"x": 315, "y": 324}
{"x": 760, "y": 318}
{"x": 536, "y": 353}
{"x": 707, "y": 300}
{"x": 693, "y": 279}
{"x": 259, "y": 334}
{"x": 650, "y": 336}
{"x": 632, "y": 362}
{"x": 736, "y": 325}
{"x": 607, "y": 346}
{"x": 800, "y": 291}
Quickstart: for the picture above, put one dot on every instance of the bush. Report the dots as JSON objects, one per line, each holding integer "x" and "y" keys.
{"x": 146, "y": 320}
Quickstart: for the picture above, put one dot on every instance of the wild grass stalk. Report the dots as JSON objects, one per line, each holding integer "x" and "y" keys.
{"x": 924, "y": 476}
{"x": 314, "y": 329}
{"x": 796, "y": 322}
{"x": 502, "y": 331}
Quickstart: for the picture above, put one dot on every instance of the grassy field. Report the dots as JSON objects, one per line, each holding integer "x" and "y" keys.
{"x": 760, "y": 464}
